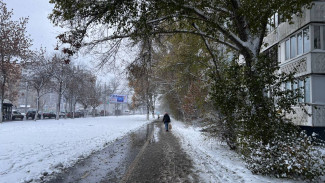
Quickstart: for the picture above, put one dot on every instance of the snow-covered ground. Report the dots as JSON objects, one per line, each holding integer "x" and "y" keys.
{"x": 29, "y": 149}
{"x": 213, "y": 160}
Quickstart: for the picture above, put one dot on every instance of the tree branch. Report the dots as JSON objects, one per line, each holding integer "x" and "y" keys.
{"x": 213, "y": 55}
{"x": 240, "y": 44}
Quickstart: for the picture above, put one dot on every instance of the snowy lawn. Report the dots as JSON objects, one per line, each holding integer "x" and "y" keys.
{"x": 29, "y": 149}
{"x": 213, "y": 160}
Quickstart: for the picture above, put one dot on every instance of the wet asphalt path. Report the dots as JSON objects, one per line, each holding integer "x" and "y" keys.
{"x": 148, "y": 155}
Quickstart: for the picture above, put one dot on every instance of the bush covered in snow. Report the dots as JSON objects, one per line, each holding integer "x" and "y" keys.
{"x": 290, "y": 155}
{"x": 252, "y": 108}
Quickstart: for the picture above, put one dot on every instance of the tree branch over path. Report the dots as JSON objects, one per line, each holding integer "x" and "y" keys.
{"x": 241, "y": 22}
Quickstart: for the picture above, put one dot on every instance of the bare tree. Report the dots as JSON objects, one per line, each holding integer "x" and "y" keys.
{"x": 141, "y": 78}
{"x": 38, "y": 76}
{"x": 60, "y": 75}
{"x": 85, "y": 84}
{"x": 95, "y": 96}
{"x": 14, "y": 44}
{"x": 75, "y": 87}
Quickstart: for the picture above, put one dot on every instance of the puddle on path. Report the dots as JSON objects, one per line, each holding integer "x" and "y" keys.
{"x": 155, "y": 134}
{"x": 111, "y": 163}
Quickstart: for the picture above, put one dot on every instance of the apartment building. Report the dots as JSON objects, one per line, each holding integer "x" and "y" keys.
{"x": 301, "y": 45}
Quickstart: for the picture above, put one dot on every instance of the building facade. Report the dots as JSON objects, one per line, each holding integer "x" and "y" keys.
{"x": 300, "y": 46}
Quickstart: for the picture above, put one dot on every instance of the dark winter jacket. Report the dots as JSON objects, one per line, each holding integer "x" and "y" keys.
{"x": 166, "y": 118}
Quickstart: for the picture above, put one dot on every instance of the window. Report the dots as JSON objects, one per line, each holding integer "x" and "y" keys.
{"x": 276, "y": 20}
{"x": 323, "y": 37}
{"x": 268, "y": 27}
{"x": 293, "y": 47}
{"x": 299, "y": 43}
{"x": 295, "y": 88}
{"x": 281, "y": 19}
{"x": 301, "y": 90}
{"x": 307, "y": 90}
{"x": 287, "y": 49}
{"x": 288, "y": 85}
{"x": 272, "y": 24}
{"x": 317, "y": 37}
{"x": 306, "y": 35}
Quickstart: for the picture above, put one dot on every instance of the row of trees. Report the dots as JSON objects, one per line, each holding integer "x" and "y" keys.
{"x": 76, "y": 84}
{"x": 51, "y": 74}
{"x": 42, "y": 72}
{"x": 174, "y": 74}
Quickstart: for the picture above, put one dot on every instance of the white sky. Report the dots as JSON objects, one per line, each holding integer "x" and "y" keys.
{"x": 41, "y": 30}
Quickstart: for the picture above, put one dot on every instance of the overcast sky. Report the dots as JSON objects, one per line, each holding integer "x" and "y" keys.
{"x": 39, "y": 27}
{"x": 41, "y": 30}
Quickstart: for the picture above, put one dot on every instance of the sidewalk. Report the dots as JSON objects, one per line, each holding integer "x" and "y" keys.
{"x": 162, "y": 160}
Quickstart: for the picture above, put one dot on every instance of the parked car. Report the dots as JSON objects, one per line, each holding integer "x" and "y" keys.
{"x": 49, "y": 115}
{"x": 17, "y": 115}
{"x": 32, "y": 113}
{"x": 77, "y": 114}
{"x": 62, "y": 115}
{"x": 81, "y": 114}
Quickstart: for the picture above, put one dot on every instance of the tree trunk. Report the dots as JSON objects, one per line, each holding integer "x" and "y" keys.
{"x": 74, "y": 106}
{"x": 37, "y": 107}
{"x": 153, "y": 102}
{"x": 59, "y": 102}
{"x": 85, "y": 111}
{"x": 148, "y": 111}
{"x": 2, "y": 97}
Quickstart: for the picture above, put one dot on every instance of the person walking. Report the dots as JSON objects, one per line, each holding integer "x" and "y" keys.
{"x": 166, "y": 120}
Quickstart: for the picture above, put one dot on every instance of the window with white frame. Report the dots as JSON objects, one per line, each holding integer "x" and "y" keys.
{"x": 302, "y": 87}
{"x": 288, "y": 85}
{"x": 274, "y": 21}
{"x": 287, "y": 49}
{"x": 307, "y": 90}
{"x": 317, "y": 39}
{"x": 301, "y": 42}
{"x": 301, "y": 90}
{"x": 306, "y": 35}
{"x": 293, "y": 46}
